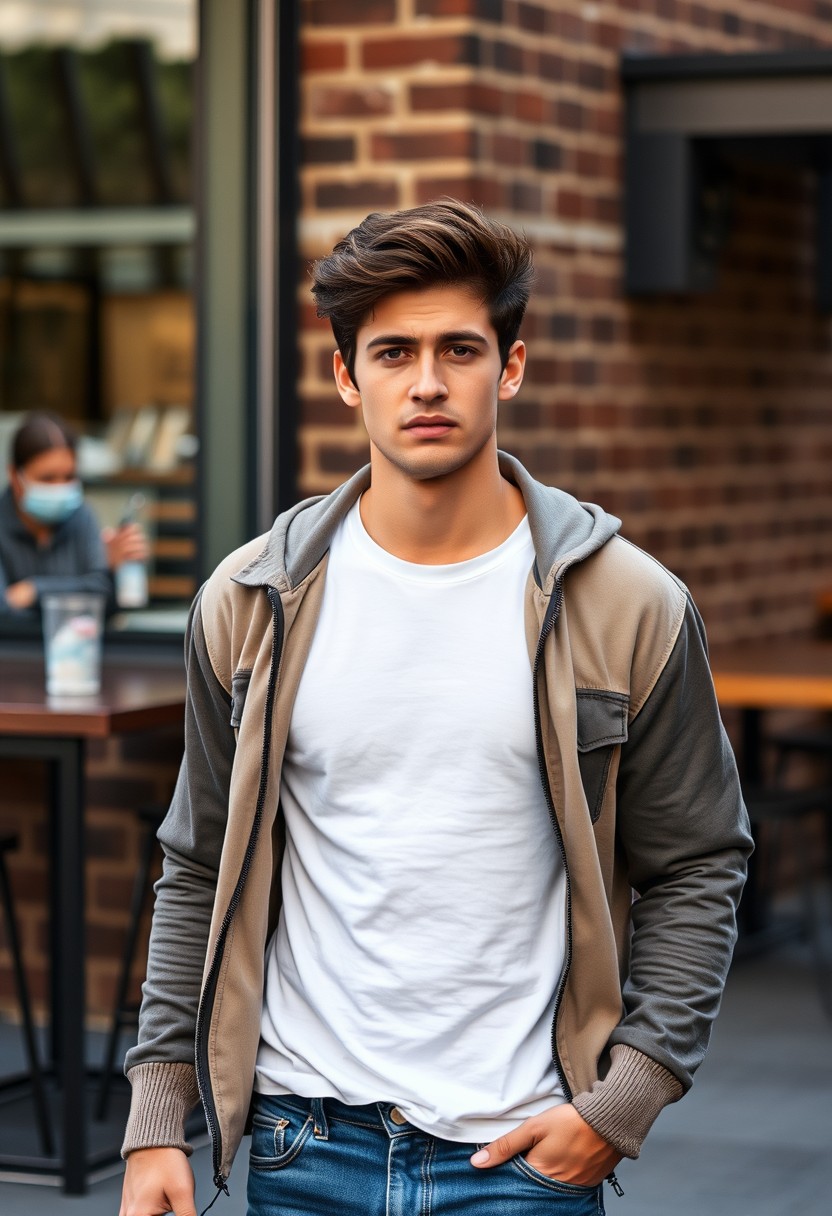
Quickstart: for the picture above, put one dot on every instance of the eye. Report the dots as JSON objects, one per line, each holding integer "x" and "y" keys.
{"x": 462, "y": 352}
{"x": 392, "y": 355}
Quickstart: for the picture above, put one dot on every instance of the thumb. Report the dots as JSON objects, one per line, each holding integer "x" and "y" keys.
{"x": 505, "y": 1147}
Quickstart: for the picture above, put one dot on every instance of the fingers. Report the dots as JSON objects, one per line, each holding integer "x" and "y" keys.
{"x": 157, "y": 1181}
{"x": 505, "y": 1147}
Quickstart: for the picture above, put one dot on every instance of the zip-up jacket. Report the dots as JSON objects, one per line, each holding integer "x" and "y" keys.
{"x": 635, "y": 766}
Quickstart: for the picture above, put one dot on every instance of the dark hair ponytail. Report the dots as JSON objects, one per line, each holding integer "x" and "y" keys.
{"x": 38, "y": 433}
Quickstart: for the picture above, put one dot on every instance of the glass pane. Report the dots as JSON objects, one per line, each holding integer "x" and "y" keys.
{"x": 96, "y": 111}
{"x": 40, "y": 129}
{"x": 113, "y": 109}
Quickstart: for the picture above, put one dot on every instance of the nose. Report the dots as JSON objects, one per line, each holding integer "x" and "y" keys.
{"x": 428, "y": 384}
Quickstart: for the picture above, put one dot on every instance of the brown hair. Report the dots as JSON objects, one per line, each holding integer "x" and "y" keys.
{"x": 38, "y": 433}
{"x": 444, "y": 242}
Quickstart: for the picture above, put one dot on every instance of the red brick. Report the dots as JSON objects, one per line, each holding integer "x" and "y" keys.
{"x": 327, "y": 150}
{"x": 323, "y": 56}
{"x": 332, "y": 102}
{"x": 482, "y": 10}
{"x": 507, "y": 57}
{"x": 531, "y": 17}
{"x": 526, "y": 198}
{"x": 509, "y": 149}
{"x": 569, "y": 204}
{"x": 483, "y": 191}
{"x": 365, "y": 193}
{"x": 471, "y": 96}
{"x": 410, "y": 51}
{"x": 327, "y": 411}
{"x": 570, "y": 115}
{"x": 348, "y": 12}
{"x": 530, "y": 106}
{"x": 335, "y": 458}
{"x": 425, "y": 146}
{"x": 104, "y": 941}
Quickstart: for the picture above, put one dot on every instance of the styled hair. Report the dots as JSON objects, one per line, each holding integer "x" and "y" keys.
{"x": 38, "y": 433}
{"x": 441, "y": 243}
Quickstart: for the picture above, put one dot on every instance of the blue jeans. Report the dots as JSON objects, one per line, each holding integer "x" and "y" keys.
{"x": 318, "y": 1157}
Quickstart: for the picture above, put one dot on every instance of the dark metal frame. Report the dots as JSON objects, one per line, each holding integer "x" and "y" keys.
{"x": 247, "y": 269}
{"x": 676, "y": 197}
{"x": 67, "y": 957}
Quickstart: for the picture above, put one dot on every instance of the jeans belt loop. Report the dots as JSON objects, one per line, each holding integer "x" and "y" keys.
{"x": 320, "y": 1125}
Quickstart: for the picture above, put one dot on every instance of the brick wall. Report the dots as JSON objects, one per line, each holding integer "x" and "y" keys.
{"x": 702, "y": 421}
{"x": 121, "y": 774}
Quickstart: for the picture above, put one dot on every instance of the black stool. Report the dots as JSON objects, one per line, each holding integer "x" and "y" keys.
{"x": 778, "y": 807}
{"x": 126, "y": 1012}
{"x": 7, "y": 845}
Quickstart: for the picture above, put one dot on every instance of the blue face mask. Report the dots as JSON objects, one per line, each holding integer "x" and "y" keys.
{"x": 51, "y": 504}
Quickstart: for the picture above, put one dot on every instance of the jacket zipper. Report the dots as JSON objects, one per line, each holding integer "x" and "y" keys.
{"x": 549, "y": 622}
{"x": 209, "y": 990}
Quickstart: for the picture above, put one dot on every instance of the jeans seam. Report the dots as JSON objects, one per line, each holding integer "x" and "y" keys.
{"x": 427, "y": 1178}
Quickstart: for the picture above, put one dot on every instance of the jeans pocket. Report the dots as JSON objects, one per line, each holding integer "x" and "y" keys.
{"x": 277, "y": 1135}
{"x": 554, "y": 1184}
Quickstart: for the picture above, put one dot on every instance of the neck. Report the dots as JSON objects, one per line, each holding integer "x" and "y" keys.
{"x": 441, "y": 520}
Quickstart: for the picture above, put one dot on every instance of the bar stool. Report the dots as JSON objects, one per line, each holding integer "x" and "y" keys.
{"x": 777, "y": 808}
{"x": 7, "y": 845}
{"x": 126, "y": 1012}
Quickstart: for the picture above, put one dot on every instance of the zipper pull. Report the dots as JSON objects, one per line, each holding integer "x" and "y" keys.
{"x": 222, "y": 1189}
{"x": 615, "y": 1184}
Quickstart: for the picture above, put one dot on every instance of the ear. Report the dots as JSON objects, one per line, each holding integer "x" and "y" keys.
{"x": 511, "y": 376}
{"x": 349, "y": 393}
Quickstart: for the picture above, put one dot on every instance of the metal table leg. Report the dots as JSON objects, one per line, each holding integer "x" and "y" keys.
{"x": 69, "y": 937}
{"x": 67, "y": 940}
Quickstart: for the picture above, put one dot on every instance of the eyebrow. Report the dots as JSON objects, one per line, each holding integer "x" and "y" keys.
{"x": 455, "y": 335}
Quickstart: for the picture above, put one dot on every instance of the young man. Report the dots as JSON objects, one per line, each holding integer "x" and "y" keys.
{"x": 458, "y": 835}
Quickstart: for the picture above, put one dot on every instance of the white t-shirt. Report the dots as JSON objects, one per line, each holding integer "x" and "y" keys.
{"x": 422, "y": 934}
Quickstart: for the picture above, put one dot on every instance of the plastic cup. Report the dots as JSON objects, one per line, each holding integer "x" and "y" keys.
{"x": 73, "y": 625}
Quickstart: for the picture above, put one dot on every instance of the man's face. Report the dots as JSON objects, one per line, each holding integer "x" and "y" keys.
{"x": 427, "y": 367}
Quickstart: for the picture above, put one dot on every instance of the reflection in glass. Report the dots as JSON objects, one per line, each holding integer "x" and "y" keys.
{"x": 96, "y": 225}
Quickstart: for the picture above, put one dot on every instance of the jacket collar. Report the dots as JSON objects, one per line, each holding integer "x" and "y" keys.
{"x": 564, "y": 531}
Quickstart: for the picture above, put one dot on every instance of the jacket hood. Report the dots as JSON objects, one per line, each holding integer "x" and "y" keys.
{"x": 564, "y": 531}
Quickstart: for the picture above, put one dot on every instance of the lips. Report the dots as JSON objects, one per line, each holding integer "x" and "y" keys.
{"x": 429, "y": 426}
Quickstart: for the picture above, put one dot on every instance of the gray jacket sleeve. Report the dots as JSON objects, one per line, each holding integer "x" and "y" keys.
{"x": 684, "y": 831}
{"x": 191, "y": 837}
{"x": 686, "y": 836}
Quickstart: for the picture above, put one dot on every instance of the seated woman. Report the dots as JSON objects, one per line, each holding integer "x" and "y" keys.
{"x": 49, "y": 537}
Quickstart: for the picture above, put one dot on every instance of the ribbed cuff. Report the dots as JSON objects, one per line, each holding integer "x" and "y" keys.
{"x": 623, "y": 1107}
{"x": 163, "y": 1097}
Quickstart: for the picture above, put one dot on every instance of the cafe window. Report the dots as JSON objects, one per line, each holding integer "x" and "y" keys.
{"x": 97, "y": 315}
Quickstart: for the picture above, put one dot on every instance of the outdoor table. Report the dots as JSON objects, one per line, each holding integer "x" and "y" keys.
{"x": 789, "y": 673}
{"x": 136, "y": 695}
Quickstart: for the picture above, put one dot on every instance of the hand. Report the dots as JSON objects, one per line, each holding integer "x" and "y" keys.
{"x": 125, "y": 544}
{"x": 557, "y": 1143}
{"x": 21, "y": 595}
{"x": 157, "y": 1180}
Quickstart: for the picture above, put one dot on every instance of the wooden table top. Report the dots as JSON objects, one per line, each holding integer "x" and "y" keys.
{"x": 789, "y": 673}
{"x": 135, "y": 695}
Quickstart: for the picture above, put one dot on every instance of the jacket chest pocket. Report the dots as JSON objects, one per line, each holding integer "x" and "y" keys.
{"x": 602, "y": 726}
{"x": 239, "y": 690}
